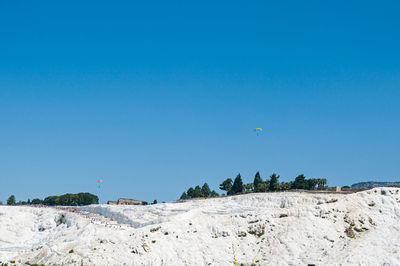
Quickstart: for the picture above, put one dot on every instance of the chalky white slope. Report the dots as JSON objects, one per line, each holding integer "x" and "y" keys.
{"x": 285, "y": 228}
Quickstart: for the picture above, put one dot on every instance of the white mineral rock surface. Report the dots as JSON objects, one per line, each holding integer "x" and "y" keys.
{"x": 287, "y": 228}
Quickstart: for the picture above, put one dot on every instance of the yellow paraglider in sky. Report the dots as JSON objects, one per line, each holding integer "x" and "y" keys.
{"x": 257, "y": 130}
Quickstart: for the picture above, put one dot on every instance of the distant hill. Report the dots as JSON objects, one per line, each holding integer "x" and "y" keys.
{"x": 372, "y": 184}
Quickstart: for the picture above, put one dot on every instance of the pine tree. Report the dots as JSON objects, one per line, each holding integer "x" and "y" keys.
{"x": 300, "y": 182}
{"x": 205, "y": 190}
{"x": 197, "y": 192}
{"x": 237, "y": 185}
{"x": 11, "y": 200}
{"x": 257, "y": 182}
{"x": 184, "y": 196}
{"x": 274, "y": 183}
{"x": 190, "y": 193}
{"x": 227, "y": 186}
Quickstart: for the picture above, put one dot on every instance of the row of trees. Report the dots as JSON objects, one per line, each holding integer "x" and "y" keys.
{"x": 233, "y": 187}
{"x": 12, "y": 201}
{"x": 68, "y": 199}
{"x": 271, "y": 184}
{"x": 197, "y": 192}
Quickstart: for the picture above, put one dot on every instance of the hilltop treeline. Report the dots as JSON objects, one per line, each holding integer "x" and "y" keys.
{"x": 236, "y": 186}
{"x": 197, "y": 192}
{"x": 69, "y": 199}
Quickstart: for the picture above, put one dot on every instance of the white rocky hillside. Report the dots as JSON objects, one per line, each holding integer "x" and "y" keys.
{"x": 285, "y": 228}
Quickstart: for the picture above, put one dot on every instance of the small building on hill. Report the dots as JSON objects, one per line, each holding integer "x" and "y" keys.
{"x": 127, "y": 202}
{"x": 335, "y": 189}
{"x": 131, "y": 202}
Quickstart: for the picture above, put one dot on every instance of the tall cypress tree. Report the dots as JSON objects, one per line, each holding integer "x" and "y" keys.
{"x": 273, "y": 183}
{"x": 237, "y": 185}
{"x": 257, "y": 182}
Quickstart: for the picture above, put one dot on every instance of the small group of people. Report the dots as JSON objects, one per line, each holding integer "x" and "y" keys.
{"x": 95, "y": 218}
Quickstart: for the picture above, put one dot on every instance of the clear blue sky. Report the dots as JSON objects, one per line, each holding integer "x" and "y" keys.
{"x": 155, "y": 97}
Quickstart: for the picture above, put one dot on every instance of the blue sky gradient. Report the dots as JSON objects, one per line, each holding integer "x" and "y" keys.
{"x": 156, "y": 97}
